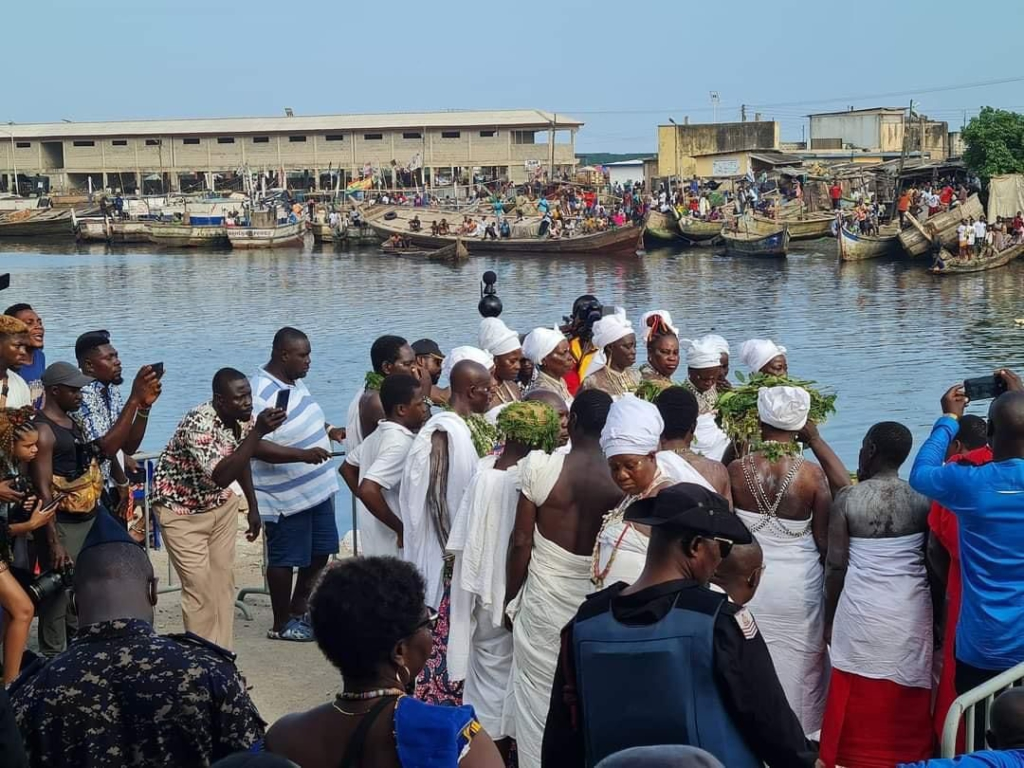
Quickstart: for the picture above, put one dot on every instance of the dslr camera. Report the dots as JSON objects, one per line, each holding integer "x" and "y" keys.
{"x": 48, "y": 584}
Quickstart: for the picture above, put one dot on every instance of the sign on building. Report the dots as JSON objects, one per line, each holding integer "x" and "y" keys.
{"x": 725, "y": 167}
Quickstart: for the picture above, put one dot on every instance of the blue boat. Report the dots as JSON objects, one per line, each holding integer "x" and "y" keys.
{"x": 740, "y": 243}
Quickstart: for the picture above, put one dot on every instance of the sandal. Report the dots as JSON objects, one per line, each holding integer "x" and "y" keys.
{"x": 294, "y": 631}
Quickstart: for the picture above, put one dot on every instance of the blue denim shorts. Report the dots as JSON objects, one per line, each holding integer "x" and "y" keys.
{"x": 294, "y": 540}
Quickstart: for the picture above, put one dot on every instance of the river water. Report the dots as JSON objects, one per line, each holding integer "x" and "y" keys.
{"x": 888, "y": 337}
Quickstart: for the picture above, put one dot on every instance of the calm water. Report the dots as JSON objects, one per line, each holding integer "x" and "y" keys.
{"x": 888, "y": 337}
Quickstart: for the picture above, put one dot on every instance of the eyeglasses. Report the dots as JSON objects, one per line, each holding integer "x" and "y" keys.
{"x": 724, "y": 545}
{"x": 430, "y": 622}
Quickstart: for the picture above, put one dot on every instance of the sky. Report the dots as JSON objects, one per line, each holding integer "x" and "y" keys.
{"x": 621, "y": 68}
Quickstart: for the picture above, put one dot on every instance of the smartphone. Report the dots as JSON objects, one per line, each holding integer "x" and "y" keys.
{"x": 282, "y": 399}
{"x": 984, "y": 387}
{"x": 5, "y": 281}
{"x": 158, "y": 369}
{"x": 337, "y": 454}
{"x": 55, "y": 501}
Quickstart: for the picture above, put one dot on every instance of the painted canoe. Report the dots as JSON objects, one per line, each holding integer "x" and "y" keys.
{"x": 989, "y": 258}
{"x": 914, "y": 239}
{"x": 457, "y": 251}
{"x": 854, "y": 246}
{"x": 774, "y": 245}
{"x": 37, "y": 222}
{"x": 661, "y": 228}
{"x": 697, "y": 231}
{"x": 178, "y": 235}
{"x": 809, "y": 227}
{"x": 282, "y": 236}
{"x": 621, "y": 240}
{"x": 112, "y": 231}
{"x": 347, "y": 233}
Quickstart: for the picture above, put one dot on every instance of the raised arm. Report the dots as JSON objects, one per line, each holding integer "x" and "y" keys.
{"x": 838, "y": 558}
{"x": 831, "y": 464}
{"x": 130, "y": 428}
{"x": 820, "y": 508}
{"x": 230, "y": 468}
{"x": 930, "y": 475}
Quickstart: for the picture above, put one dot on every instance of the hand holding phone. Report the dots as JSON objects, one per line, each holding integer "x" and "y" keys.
{"x": 158, "y": 369}
{"x": 984, "y": 387}
{"x": 281, "y": 402}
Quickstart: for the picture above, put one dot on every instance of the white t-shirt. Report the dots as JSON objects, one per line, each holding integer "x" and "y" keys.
{"x": 381, "y": 458}
{"x": 979, "y": 230}
{"x": 18, "y": 393}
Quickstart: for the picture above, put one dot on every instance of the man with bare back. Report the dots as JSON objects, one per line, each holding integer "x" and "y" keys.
{"x": 563, "y": 500}
{"x": 784, "y": 501}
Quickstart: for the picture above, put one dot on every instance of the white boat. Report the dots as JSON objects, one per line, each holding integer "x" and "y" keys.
{"x": 854, "y": 246}
{"x": 280, "y": 236}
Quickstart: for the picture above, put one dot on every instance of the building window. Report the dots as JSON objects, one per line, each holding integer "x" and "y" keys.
{"x": 23, "y": 144}
{"x": 83, "y": 143}
{"x": 488, "y": 134}
{"x": 152, "y": 142}
{"x": 334, "y": 137}
{"x": 523, "y": 137}
{"x": 225, "y": 139}
{"x": 373, "y": 137}
{"x": 412, "y": 135}
{"x": 260, "y": 139}
{"x": 190, "y": 141}
{"x": 120, "y": 142}
{"x": 296, "y": 139}
{"x": 451, "y": 134}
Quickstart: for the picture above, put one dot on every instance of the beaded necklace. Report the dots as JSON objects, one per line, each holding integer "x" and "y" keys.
{"x": 614, "y": 518}
{"x": 706, "y": 401}
{"x": 769, "y": 509}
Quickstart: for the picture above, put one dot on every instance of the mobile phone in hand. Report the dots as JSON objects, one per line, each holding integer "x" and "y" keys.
{"x": 54, "y": 502}
{"x": 984, "y": 387}
{"x": 281, "y": 402}
{"x": 158, "y": 369}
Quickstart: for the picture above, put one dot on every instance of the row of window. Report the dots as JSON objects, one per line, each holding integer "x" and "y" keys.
{"x": 292, "y": 139}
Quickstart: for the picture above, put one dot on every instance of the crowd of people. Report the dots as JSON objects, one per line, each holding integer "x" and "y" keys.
{"x": 561, "y": 556}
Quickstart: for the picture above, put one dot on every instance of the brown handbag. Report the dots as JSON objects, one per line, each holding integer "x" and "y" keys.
{"x": 81, "y": 494}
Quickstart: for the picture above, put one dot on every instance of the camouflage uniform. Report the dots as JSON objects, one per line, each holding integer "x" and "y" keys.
{"x": 121, "y": 695}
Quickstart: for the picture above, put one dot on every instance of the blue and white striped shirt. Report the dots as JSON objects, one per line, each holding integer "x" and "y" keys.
{"x": 285, "y": 489}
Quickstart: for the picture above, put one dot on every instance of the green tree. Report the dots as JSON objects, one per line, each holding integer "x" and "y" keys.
{"x": 994, "y": 143}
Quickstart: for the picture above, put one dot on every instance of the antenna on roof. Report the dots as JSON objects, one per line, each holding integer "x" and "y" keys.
{"x": 288, "y": 112}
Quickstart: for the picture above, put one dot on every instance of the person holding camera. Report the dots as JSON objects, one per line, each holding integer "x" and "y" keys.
{"x": 21, "y": 512}
{"x": 65, "y": 471}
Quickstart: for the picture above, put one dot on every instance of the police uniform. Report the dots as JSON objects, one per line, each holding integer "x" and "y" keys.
{"x": 740, "y": 678}
{"x": 122, "y": 695}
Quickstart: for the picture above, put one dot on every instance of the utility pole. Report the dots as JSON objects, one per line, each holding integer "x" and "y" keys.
{"x": 903, "y": 158}
{"x": 743, "y": 113}
{"x": 714, "y": 106}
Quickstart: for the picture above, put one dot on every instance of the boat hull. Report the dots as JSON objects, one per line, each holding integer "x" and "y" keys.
{"x": 807, "y": 228}
{"x": 187, "y": 236}
{"x": 285, "y": 236}
{"x": 34, "y": 223}
{"x": 107, "y": 231}
{"x": 914, "y": 241}
{"x": 661, "y": 228}
{"x": 699, "y": 231}
{"x": 352, "y": 235}
{"x": 774, "y": 245}
{"x": 854, "y": 246}
{"x": 988, "y": 259}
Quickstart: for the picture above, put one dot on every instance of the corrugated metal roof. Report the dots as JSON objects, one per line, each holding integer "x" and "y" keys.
{"x": 858, "y": 111}
{"x": 512, "y": 118}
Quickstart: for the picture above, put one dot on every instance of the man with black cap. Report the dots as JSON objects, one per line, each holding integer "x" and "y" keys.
{"x": 178, "y": 701}
{"x": 63, "y": 465}
{"x": 668, "y": 661}
{"x": 429, "y": 358}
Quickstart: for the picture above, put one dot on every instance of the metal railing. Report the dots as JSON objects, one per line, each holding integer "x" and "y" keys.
{"x": 965, "y": 708}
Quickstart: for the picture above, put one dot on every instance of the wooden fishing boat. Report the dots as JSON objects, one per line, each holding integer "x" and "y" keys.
{"x": 699, "y": 231}
{"x": 107, "y": 230}
{"x": 854, "y": 246}
{"x": 351, "y": 234}
{"x": 179, "y": 235}
{"x": 915, "y": 239}
{"x": 36, "y": 222}
{"x": 989, "y": 258}
{"x": 743, "y": 243}
{"x": 620, "y": 240}
{"x": 281, "y": 236}
{"x": 661, "y": 228}
{"x": 457, "y": 251}
{"x": 809, "y": 226}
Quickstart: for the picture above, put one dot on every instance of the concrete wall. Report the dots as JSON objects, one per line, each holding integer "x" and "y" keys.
{"x": 624, "y": 174}
{"x": 861, "y": 130}
{"x": 730, "y": 164}
{"x": 676, "y": 143}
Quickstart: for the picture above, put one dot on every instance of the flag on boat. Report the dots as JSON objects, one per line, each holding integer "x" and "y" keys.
{"x": 360, "y": 185}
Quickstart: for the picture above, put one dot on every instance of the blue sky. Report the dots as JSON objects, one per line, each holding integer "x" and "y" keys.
{"x": 620, "y": 67}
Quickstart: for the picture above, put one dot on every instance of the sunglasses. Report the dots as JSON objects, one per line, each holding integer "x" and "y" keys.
{"x": 724, "y": 545}
{"x": 430, "y": 622}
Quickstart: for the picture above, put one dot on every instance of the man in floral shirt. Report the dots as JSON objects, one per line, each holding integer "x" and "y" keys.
{"x": 197, "y": 510}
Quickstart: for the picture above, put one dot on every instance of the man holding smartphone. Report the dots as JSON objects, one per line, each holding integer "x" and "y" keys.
{"x": 294, "y": 485}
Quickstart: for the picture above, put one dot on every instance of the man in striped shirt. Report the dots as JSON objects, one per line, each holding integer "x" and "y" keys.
{"x": 296, "y": 500}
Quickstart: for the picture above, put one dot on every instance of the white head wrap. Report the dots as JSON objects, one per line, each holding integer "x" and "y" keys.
{"x": 718, "y": 341}
{"x": 634, "y": 426}
{"x": 497, "y": 338}
{"x": 610, "y": 329}
{"x": 540, "y": 343}
{"x": 666, "y": 318}
{"x": 783, "y": 407}
{"x": 757, "y": 353}
{"x": 459, "y": 354}
{"x": 701, "y": 353}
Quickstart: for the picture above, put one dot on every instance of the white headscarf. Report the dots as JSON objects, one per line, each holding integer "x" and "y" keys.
{"x": 634, "y": 426}
{"x": 540, "y": 343}
{"x": 718, "y": 341}
{"x": 459, "y": 354}
{"x": 783, "y": 407}
{"x": 497, "y": 338}
{"x": 610, "y": 329}
{"x": 666, "y": 319}
{"x": 757, "y": 353}
{"x": 701, "y": 353}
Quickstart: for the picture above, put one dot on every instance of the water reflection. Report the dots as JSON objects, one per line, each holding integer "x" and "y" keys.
{"x": 885, "y": 334}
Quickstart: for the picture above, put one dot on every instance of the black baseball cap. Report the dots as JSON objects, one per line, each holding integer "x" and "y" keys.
{"x": 427, "y": 347}
{"x": 66, "y": 374}
{"x": 690, "y": 507}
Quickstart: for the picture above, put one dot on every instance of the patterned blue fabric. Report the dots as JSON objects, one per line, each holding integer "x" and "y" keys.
{"x": 430, "y": 736}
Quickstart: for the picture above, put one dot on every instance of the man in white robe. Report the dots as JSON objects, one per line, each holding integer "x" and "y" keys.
{"x": 389, "y": 354}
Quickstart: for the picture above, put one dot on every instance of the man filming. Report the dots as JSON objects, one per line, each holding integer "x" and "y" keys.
{"x": 586, "y": 311}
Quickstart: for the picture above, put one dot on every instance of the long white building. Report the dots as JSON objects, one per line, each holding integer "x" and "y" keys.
{"x": 162, "y": 155}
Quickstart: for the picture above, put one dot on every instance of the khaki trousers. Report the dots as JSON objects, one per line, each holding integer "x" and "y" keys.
{"x": 202, "y": 550}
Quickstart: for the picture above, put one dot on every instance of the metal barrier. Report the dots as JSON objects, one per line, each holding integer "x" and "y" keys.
{"x": 965, "y": 707}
